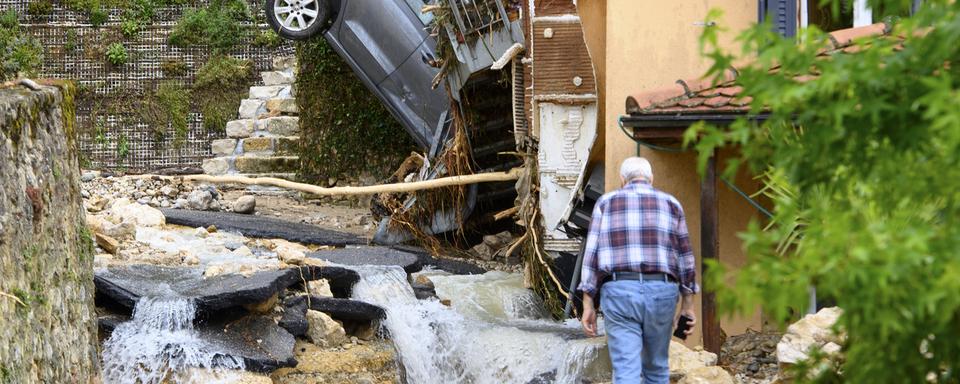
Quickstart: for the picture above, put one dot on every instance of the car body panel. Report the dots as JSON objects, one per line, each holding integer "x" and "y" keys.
{"x": 389, "y": 62}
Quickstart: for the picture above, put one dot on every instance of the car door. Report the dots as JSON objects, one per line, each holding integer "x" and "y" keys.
{"x": 379, "y": 35}
{"x": 410, "y": 86}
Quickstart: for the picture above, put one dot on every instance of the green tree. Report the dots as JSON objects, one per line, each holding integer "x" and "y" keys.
{"x": 863, "y": 161}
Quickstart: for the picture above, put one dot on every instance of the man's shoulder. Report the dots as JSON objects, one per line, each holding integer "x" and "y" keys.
{"x": 668, "y": 198}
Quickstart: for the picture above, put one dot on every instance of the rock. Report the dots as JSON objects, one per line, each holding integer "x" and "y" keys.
{"x": 368, "y": 255}
{"x": 423, "y": 291}
{"x": 88, "y": 176}
{"x": 282, "y": 106}
{"x": 706, "y": 375}
{"x": 263, "y": 345}
{"x": 277, "y": 77}
{"x": 251, "y": 108}
{"x": 239, "y": 129}
{"x": 322, "y": 330}
{"x": 108, "y": 243}
{"x": 102, "y": 260}
{"x": 281, "y": 125}
{"x": 205, "y": 376}
{"x": 290, "y": 253}
{"x": 245, "y": 204}
{"x": 243, "y": 251}
{"x": 492, "y": 241}
{"x": 189, "y": 258}
{"x": 122, "y": 231}
{"x": 232, "y": 244}
{"x": 201, "y": 232}
{"x": 138, "y": 214}
{"x": 223, "y": 147}
{"x": 262, "y": 227}
{"x": 368, "y": 363}
{"x": 341, "y": 280}
{"x": 199, "y": 200}
{"x": 215, "y": 166}
{"x": 265, "y": 307}
{"x": 168, "y": 191}
{"x": 283, "y": 63}
{"x": 270, "y": 91}
{"x": 319, "y": 288}
{"x": 124, "y": 285}
{"x": 504, "y": 238}
{"x": 483, "y": 251}
{"x": 812, "y": 331}
{"x": 684, "y": 360}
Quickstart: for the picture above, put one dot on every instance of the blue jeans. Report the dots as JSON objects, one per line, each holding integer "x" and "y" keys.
{"x": 638, "y": 317}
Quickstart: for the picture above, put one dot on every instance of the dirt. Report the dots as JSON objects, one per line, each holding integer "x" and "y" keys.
{"x": 353, "y": 219}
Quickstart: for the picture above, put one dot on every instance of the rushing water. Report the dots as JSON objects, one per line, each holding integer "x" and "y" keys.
{"x": 493, "y": 333}
{"x": 160, "y": 344}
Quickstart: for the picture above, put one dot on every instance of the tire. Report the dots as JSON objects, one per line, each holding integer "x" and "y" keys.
{"x": 292, "y": 19}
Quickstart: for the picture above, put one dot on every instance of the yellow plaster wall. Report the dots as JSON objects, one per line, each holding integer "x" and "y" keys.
{"x": 649, "y": 44}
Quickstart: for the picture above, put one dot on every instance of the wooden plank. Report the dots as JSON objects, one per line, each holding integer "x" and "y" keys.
{"x": 709, "y": 249}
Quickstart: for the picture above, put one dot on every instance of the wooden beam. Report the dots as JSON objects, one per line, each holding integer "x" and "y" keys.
{"x": 413, "y": 186}
{"x": 709, "y": 249}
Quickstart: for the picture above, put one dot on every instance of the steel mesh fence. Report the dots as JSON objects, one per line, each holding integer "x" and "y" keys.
{"x": 113, "y": 134}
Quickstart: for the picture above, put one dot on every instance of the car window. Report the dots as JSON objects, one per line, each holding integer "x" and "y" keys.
{"x": 416, "y": 5}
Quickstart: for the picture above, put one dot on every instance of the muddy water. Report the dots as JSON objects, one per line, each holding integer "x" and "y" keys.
{"x": 495, "y": 331}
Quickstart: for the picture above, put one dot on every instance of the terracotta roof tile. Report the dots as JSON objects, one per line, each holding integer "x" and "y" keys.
{"x": 701, "y": 96}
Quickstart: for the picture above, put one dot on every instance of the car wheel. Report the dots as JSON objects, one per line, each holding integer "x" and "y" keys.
{"x": 297, "y": 19}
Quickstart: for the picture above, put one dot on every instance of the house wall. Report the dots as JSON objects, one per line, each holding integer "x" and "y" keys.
{"x": 643, "y": 45}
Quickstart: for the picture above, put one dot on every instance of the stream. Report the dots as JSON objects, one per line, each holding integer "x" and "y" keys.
{"x": 495, "y": 331}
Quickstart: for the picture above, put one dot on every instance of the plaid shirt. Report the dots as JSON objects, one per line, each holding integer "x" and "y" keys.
{"x": 638, "y": 229}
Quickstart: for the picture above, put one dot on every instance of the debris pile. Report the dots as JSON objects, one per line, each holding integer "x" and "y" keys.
{"x": 751, "y": 356}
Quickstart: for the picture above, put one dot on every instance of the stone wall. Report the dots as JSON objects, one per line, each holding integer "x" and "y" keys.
{"x": 47, "y": 321}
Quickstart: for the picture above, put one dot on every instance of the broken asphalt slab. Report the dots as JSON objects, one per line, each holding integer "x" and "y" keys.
{"x": 262, "y": 344}
{"x": 261, "y": 227}
{"x": 455, "y": 267}
{"x": 366, "y": 255}
{"x": 294, "y": 317}
{"x": 125, "y": 285}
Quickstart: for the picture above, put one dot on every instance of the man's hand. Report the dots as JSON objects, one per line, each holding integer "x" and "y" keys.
{"x": 686, "y": 309}
{"x": 589, "y": 318}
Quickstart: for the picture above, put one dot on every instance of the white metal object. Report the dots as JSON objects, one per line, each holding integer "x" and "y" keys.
{"x": 862, "y": 15}
{"x": 567, "y": 133}
{"x": 296, "y": 15}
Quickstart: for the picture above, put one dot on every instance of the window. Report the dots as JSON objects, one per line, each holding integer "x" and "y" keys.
{"x": 417, "y": 5}
{"x": 851, "y": 13}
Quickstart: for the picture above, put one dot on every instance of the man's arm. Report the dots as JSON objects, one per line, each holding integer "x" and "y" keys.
{"x": 687, "y": 264}
{"x": 589, "y": 272}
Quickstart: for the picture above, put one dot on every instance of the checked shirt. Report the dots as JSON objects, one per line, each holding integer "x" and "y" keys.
{"x": 638, "y": 229}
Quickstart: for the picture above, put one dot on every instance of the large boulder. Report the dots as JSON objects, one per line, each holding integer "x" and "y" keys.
{"x": 124, "y": 285}
{"x": 323, "y": 330}
{"x": 263, "y": 345}
{"x": 261, "y": 227}
{"x": 812, "y": 331}
{"x": 692, "y": 366}
{"x": 367, "y": 255}
{"x": 137, "y": 214}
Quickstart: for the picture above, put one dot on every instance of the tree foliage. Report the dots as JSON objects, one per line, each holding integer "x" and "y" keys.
{"x": 863, "y": 161}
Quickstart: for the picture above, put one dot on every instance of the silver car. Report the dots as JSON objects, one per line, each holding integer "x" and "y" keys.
{"x": 387, "y": 45}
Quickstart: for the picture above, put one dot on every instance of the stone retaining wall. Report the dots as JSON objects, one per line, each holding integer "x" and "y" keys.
{"x": 47, "y": 321}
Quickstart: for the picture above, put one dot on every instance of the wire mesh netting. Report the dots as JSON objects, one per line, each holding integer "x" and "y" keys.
{"x": 113, "y": 134}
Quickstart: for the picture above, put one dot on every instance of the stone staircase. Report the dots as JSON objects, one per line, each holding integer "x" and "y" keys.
{"x": 263, "y": 141}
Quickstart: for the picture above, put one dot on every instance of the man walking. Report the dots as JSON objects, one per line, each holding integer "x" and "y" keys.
{"x": 638, "y": 255}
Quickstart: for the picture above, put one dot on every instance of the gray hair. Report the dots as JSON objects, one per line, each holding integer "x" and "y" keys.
{"x": 636, "y": 168}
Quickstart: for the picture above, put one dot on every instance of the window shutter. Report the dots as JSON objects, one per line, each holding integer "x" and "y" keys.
{"x": 782, "y": 14}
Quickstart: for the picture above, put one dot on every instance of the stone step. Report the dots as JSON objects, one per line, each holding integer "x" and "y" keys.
{"x": 282, "y": 106}
{"x": 271, "y": 92}
{"x": 280, "y": 125}
{"x": 277, "y": 77}
{"x": 217, "y": 166}
{"x": 223, "y": 147}
{"x": 285, "y": 63}
{"x": 266, "y": 164}
{"x": 240, "y": 128}
{"x": 252, "y": 108}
